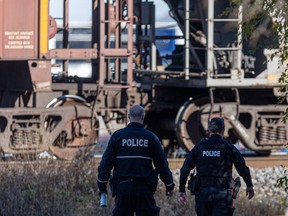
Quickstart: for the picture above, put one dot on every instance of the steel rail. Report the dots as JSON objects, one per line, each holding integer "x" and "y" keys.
{"x": 174, "y": 164}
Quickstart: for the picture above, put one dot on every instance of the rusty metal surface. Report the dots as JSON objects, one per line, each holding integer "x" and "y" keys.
{"x": 111, "y": 87}
{"x": 26, "y": 131}
{"x": 73, "y": 54}
{"x": 40, "y": 74}
{"x": 19, "y": 30}
{"x": 32, "y": 75}
{"x": 262, "y": 162}
{"x": 105, "y": 41}
{"x": 84, "y": 135}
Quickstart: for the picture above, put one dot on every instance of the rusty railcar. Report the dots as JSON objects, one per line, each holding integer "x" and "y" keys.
{"x": 211, "y": 74}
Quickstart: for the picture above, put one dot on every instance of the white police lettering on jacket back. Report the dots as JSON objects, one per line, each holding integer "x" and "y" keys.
{"x": 135, "y": 142}
{"x": 211, "y": 154}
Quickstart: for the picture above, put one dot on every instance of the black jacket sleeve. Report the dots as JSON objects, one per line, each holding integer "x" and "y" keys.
{"x": 240, "y": 166}
{"x": 106, "y": 165}
{"x": 161, "y": 164}
{"x": 188, "y": 165}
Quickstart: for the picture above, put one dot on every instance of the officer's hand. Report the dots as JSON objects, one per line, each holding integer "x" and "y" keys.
{"x": 182, "y": 198}
{"x": 101, "y": 191}
{"x": 169, "y": 189}
{"x": 250, "y": 192}
{"x": 169, "y": 193}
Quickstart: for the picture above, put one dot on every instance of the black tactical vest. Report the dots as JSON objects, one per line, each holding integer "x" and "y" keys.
{"x": 214, "y": 166}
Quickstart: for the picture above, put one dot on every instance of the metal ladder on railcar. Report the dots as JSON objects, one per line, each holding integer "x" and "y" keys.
{"x": 111, "y": 15}
{"x": 208, "y": 42}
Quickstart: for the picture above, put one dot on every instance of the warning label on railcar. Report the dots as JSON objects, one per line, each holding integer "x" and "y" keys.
{"x": 19, "y": 28}
{"x": 18, "y": 40}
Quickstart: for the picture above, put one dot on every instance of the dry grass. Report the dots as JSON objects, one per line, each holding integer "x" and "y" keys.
{"x": 244, "y": 207}
{"x": 53, "y": 189}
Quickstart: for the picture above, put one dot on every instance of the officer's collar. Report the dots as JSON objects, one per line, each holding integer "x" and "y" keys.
{"x": 135, "y": 124}
{"x": 216, "y": 136}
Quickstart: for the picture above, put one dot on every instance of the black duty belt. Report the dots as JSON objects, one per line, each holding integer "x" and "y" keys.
{"x": 213, "y": 182}
{"x": 126, "y": 181}
{"x": 131, "y": 180}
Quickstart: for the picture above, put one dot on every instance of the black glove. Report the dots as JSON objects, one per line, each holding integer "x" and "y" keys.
{"x": 170, "y": 187}
{"x": 102, "y": 186}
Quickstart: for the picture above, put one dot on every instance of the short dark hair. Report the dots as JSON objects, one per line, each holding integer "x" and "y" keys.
{"x": 216, "y": 125}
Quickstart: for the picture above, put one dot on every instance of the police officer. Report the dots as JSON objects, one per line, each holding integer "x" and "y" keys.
{"x": 213, "y": 158}
{"x": 132, "y": 151}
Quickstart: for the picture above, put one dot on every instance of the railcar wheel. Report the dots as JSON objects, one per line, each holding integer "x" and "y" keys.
{"x": 189, "y": 130}
{"x": 82, "y": 141}
{"x": 67, "y": 100}
{"x": 192, "y": 121}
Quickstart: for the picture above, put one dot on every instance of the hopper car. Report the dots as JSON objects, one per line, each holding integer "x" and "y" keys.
{"x": 45, "y": 108}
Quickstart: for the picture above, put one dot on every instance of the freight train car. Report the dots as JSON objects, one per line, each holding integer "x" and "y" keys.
{"x": 211, "y": 74}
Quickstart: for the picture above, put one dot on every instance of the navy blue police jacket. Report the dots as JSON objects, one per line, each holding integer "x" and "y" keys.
{"x": 131, "y": 152}
{"x": 214, "y": 158}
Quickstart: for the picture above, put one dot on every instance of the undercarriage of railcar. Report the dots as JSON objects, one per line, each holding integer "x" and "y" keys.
{"x": 46, "y": 107}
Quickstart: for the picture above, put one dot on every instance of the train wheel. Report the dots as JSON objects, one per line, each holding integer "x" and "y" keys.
{"x": 67, "y": 100}
{"x": 84, "y": 136}
{"x": 189, "y": 129}
{"x": 191, "y": 123}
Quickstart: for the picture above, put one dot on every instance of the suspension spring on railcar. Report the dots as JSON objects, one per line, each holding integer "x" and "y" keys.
{"x": 281, "y": 132}
{"x": 26, "y": 137}
{"x": 264, "y": 134}
{"x": 273, "y": 133}
{"x": 267, "y": 134}
{"x": 18, "y": 137}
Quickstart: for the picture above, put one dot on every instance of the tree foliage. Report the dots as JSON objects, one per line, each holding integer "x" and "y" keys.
{"x": 282, "y": 182}
{"x": 268, "y": 18}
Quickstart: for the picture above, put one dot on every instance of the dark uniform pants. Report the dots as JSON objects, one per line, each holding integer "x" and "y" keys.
{"x": 135, "y": 197}
{"x": 214, "y": 201}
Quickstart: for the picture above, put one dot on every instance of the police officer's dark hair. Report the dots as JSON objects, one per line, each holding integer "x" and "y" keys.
{"x": 136, "y": 111}
{"x": 216, "y": 125}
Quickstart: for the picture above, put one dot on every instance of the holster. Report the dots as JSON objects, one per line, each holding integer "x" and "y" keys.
{"x": 237, "y": 185}
{"x": 193, "y": 183}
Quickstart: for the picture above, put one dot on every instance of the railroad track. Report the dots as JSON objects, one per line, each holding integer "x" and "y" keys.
{"x": 254, "y": 162}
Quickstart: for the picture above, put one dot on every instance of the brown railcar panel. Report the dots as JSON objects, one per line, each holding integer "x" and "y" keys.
{"x": 19, "y": 29}
{"x": 1, "y": 28}
{"x": 40, "y": 74}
